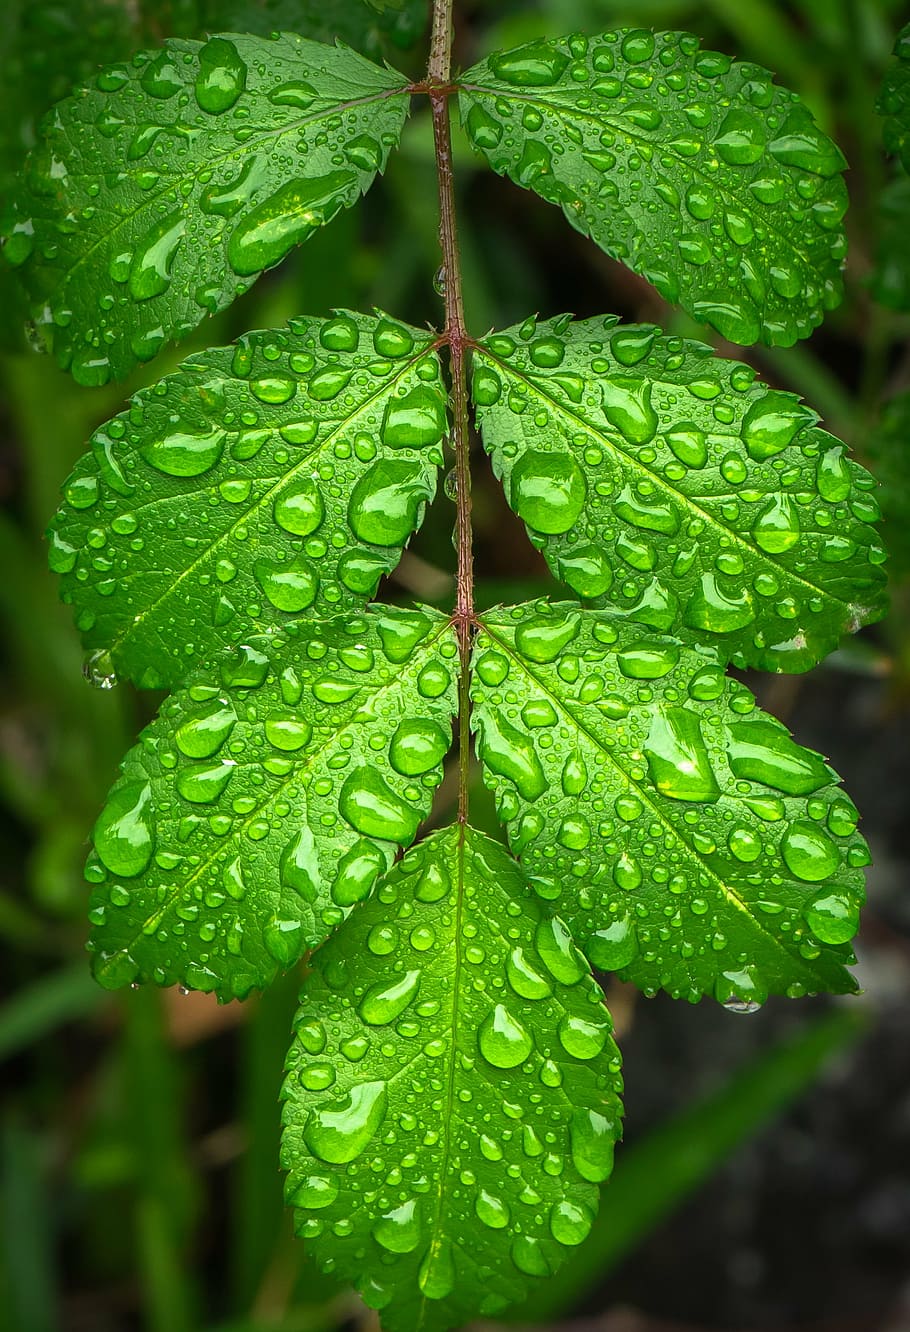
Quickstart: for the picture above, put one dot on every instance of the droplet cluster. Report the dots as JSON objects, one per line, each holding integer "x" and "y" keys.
{"x": 219, "y": 157}
{"x": 675, "y": 486}
{"x": 277, "y": 477}
{"x": 696, "y": 171}
{"x": 267, "y": 798}
{"x": 687, "y": 840}
{"x": 452, "y": 1092}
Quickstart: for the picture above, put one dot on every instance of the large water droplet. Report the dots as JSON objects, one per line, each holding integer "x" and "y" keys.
{"x": 544, "y": 637}
{"x": 222, "y": 76}
{"x": 510, "y": 753}
{"x": 614, "y": 946}
{"x": 203, "y": 734}
{"x": 298, "y": 865}
{"x": 386, "y": 1001}
{"x": 570, "y": 1223}
{"x": 808, "y": 852}
{"x": 385, "y": 503}
{"x": 287, "y": 218}
{"x": 502, "y": 1039}
{"x": 371, "y": 806}
{"x": 300, "y": 509}
{"x": 150, "y": 269}
{"x": 417, "y": 746}
{"x": 203, "y": 783}
{"x": 558, "y": 953}
{"x": 833, "y": 919}
{"x": 583, "y": 1038}
{"x": 535, "y": 65}
{"x": 357, "y": 871}
{"x": 290, "y": 587}
{"x": 182, "y": 453}
{"x": 772, "y": 423}
{"x": 339, "y": 1132}
{"x": 715, "y": 611}
{"x": 414, "y": 421}
{"x": 762, "y": 751}
{"x": 436, "y": 1276}
{"x": 627, "y": 406}
{"x": 124, "y": 835}
{"x": 400, "y": 1230}
{"x": 524, "y": 977}
{"x": 678, "y": 758}
{"x": 548, "y": 490}
{"x": 491, "y": 1211}
{"x": 592, "y": 1136}
{"x": 776, "y": 529}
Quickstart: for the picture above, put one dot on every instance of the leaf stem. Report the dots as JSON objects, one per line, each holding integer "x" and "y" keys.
{"x": 438, "y": 87}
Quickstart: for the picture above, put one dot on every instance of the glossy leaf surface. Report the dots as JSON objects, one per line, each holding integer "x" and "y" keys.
{"x": 697, "y": 172}
{"x": 665, "y": 481}
{"x": 688, "y": 842}
{"x": 267, "y": 797}
{"x": 452, "y": 1091}
{"x": 894, "y": 102}
{"x": 161, "y": 192}
{"x": 279, "y": 476}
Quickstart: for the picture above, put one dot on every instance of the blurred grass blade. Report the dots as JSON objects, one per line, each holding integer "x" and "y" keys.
{"x": 27, "y": 1278}
{"x": 40, "y": 1008}
{"x": 655, "y": 1175}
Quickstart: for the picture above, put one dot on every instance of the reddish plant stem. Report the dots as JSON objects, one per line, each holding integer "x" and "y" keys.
{"x": 439, "y": 88}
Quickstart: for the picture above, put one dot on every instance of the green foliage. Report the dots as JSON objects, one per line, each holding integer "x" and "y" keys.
{"x": 452, "y": 967}
{"x": 283, "y": 474}
{"x": 675, "y": 486}
{"x": 452, "y": 1091}
{"x": 888, "y": 448}
{"x": 697, "y": 172}
{"x": 137, "y": 216}
{"x": 684, "y": 837}
{"x": 267, "y": 798}
{"x": 894, "y": 102}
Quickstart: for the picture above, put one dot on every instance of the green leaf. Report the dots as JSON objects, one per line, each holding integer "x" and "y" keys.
{"x": 660, "y": 479}
{"x": 160, "y": 193}
{"x": 894, "y": 102}
{"x": 698, "y": 173}
{"x": 281, "y": 475}
{"x": 688, "y": 842}
{"x": 888, "y": 448}
{"x": 451, "y": 1044}
{"x": 267, "y": 797}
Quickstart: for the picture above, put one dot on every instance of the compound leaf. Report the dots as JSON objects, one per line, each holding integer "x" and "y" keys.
{"x": 660, "y": 479}
{"x": 687, "y": 841}
{"x": 698, "y": 173}
{"x": 280, "y": 475}
{"x": 894, "y": 102}
{"x": 465, "y": 1065}
{"x": 160, "y": 193}
{"x": 267, "y": 797}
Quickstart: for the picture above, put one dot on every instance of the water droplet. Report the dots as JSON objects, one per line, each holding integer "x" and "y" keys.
{"x": 227, "y": 199}
{"x": 491, "y": 1211}
{"x": 587, "y": 571}
{"x": 570, "y": 1223}
{"x": 762, "y": 751}
{"x": 287, "y": 218}
{"x": 524, "y": 978}
{"x": 98, "y": 670}
{"x": 627, "y": 406}
{"x": 290, "y": 587}
{"x": 529, "y": 1256}
{"x": 314, "y": 1192}
{"x": 124, "y": 834}
{"x": 547, "y": 490}
{"x": 581, "y": 1038}
{"x": 648, "y": 659}
{"x": 535, "y": 65}
{"x": 558, "y": 953}
{"x": 436, "y": 1276}
{"x": 340, "y": 1132}
{"x": 415, "y": 420}
{"x": 741, "y": 139}
{"x": 222, "y": 76}
{"x": 418, "y": 746}
{"x": 808, "y": 852}
{"x": 150, "y": 269}
{"x": 510, "y": 753}
{"x": 833, "y": 919}
{"x": 203, "y": 734}
{"x": 386, "y": 1001}
{"x": 543, "y": 638}
{"x": 715, "y": 611}
{"x": 614, "y": 946}
{"x": 400, "y": 1230}
{"x": 482, "y": 129}
{"x": 502, "y": 1039}
{"x": 688, "y": 444}
{"x": 203, "y": 783}
{"x": 392, "y": 340}
{"x": 592, "y": 1136}
{"x": 371, "y": 807}
{"x": 298, "y": 865}
{"x": 776, "y": 529}
{"x": 385, "y": 503}
{"x": 182, "y": 453}
{"x": 678, "y": 758}
{"x": 357, "y": 871}
{"x": 300, "y": 509}
{"x": 771, "y": 424}
{"x": 802, "y": 144}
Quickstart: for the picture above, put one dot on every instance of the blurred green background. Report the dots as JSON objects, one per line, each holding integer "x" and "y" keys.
{"x": 765, "y": 1180}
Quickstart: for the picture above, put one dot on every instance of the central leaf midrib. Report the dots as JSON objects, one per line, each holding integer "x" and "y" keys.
{"x": 245, "y": 514}
{"x": 727, "y": 891}
{"x": 682, "y": 500}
